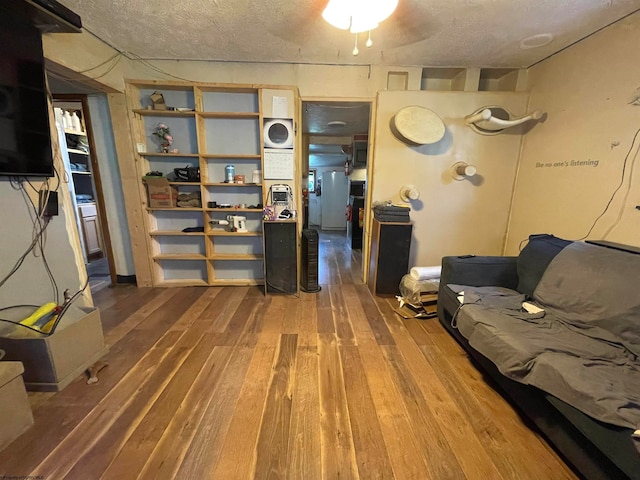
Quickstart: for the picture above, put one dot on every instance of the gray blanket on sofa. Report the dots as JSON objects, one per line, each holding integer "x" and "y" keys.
{"x": 584, "y": 348}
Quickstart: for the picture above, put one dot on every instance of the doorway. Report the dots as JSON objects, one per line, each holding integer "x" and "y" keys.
{"x": 335, "y": 137}
{"x": 82, "y": 178}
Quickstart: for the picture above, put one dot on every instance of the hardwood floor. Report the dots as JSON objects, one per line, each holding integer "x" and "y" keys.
{"x": 225, "y": 383}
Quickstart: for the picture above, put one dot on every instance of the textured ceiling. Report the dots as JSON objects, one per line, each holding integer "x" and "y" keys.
{"x": 457, "y": 33}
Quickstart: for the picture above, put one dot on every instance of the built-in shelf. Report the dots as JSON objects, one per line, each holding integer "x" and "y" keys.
{"x": 183, "y": 283}
{"x": 177, "y": 233}
{"x": 223, "y": 233}
{"x": 224, "y": 184}
{"x": 236, "y": 256}
{"x": 79, "y": 152}
{"x": 179, "y": 256}
{"x": 231, "y": 156}
{"x": 230, "y": 115}
{"x": 231, "y": 209}
{"x": 224, "y": 126}
{"x": 174, "y": 155}
{"x": 75, "y": 132}
{"x": 163, "y": 113}
{"x": 177, "y": 209}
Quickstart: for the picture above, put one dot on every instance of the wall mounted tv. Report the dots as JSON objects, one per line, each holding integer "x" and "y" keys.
{"x": 25, "y": 136}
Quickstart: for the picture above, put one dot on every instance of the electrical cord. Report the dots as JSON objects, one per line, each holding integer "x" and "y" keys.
{"x": 64, "y": 309}
{"x": 40, "y": 224}
{"x": 624, "y": 168}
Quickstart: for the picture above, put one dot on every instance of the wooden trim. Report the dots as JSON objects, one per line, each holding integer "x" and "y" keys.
{"x": 162, "y": 113}
{"x": 97, "y": 183}
{"x": 206, "y": 86}
{"x": 64, "y": 197}
{"x": 131, "y": 188}
{"x": 368, "y": 212}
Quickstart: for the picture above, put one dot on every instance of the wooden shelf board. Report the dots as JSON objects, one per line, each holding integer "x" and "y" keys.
{"x": 77, "y": 152}
{"x": 163, "y": 113}
{"x": 248, "y": 210}
{"x": 179, "y": 256}
{"x": 176, "y": 233}
{"x": 236, "y": 256}
{"x": 197, "y": 184}
{"x": 237, "y": 282}
{"x": 233, "y": 234}
{"x": 229, "y": 115}
{"x": 75, "y": 132}
{"x": 174, "y": 155}
{"x": 224, "y": 184}
{"x": 226, "y": 89}
{"x": 186, "y": 282}
{"x": 177, "y": 209}
{"x": 232, "y": 156}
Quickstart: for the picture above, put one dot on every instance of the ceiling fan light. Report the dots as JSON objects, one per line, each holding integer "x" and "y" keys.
{"x": 362, "y": 23}
{"x": 381, "y": 9}
{"x": 337, "y": 14}
{"x": 358, "y": 15}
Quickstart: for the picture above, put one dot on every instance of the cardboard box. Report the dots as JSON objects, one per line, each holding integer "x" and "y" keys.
{"x": 160, "y": 193}
{"x": 157, "y": 101}
{"x": 52, "y": 362}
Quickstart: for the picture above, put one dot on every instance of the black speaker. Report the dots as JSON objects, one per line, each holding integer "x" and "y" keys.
{"x": 309, "y": 267}
{"x": 281, "y": 271}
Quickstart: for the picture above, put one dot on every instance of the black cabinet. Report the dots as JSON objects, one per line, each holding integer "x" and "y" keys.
{"x": 389, "y": 261}
{"x": 280, "y": 257}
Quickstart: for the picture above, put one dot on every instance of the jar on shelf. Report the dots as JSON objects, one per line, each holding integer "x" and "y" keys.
{"x": 229, "y": 173}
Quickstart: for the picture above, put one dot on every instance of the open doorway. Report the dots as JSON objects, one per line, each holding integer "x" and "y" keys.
{"x": 82, "y": 178}
{"x": 336, "y": 137}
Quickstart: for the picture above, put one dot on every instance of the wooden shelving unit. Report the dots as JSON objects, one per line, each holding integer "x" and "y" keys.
{"x": 223, "y": 125}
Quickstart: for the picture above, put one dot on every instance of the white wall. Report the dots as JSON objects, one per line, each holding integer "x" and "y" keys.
{"x": 586, "y": 92}
{"x": 451, "y": 217}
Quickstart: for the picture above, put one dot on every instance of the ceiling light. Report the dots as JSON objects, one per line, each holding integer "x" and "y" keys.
{"x": 358, "y": 15}
{"x": 536, "y": 41}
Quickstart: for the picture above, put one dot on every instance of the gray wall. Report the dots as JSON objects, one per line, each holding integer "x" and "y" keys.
{"x": 111, "y": 186}
{"x": 30, "y": 285}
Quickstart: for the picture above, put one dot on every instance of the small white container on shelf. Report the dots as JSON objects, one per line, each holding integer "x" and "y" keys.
{"x": 76, "y": 126}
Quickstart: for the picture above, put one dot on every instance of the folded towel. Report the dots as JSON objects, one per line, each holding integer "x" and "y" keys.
{"x": 425, "y": 273}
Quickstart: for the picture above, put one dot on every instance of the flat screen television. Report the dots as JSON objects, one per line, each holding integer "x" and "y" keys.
{"x": 25, "y": 136}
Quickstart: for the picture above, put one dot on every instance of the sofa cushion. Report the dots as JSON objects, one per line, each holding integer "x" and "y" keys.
{"x": 534, "y": 259}
{"x": 592, "y": 287}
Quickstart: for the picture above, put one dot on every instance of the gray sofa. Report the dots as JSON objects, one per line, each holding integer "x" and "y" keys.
{"x": 572, "y": 368}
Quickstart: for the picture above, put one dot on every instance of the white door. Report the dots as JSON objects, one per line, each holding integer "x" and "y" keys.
{"x": 334, "y": 200}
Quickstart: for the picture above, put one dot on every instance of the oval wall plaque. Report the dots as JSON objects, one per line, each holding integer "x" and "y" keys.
{"x": 419, "y": 125}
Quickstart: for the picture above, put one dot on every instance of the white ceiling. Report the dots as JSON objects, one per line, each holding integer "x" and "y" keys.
{"x": 427, "y": 33}
{"x": 455, "y": 33}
